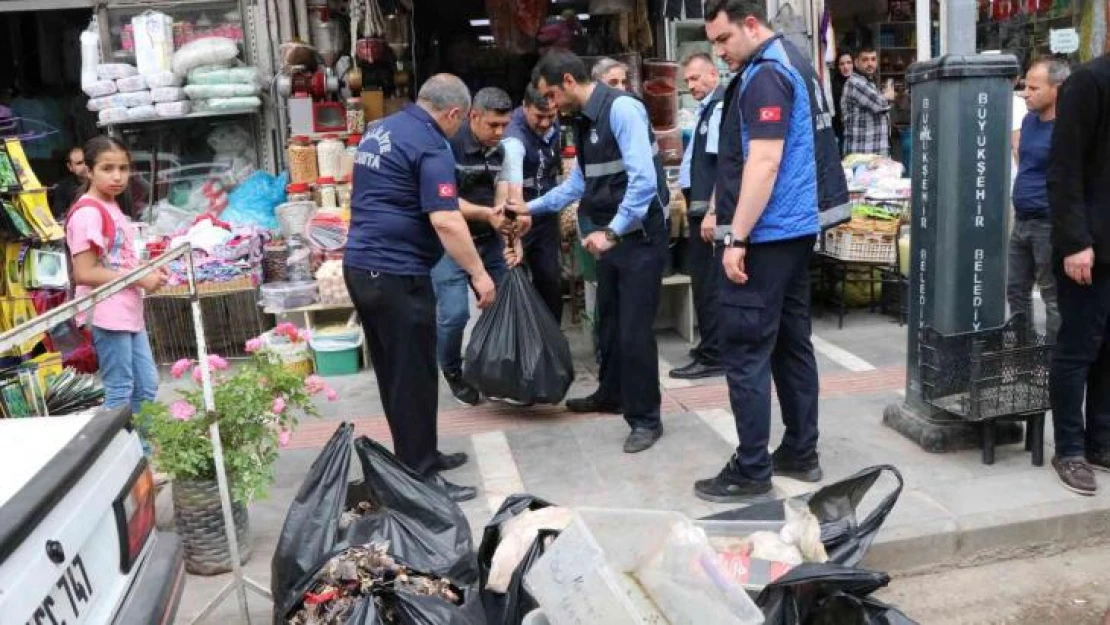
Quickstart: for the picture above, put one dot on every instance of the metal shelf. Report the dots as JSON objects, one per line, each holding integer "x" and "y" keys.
{"x": 198, "y": 115}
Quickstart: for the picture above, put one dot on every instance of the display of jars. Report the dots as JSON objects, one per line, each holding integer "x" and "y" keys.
{"x": 343, "y": 192}
{"x": 298, "y": 192}
{"x": 329, "y": 155}
{"x": 326, "y": 193}
{"x": 356, "y": 117}
{"x": 349, "y": 155}
{"x": 301, "y": 158}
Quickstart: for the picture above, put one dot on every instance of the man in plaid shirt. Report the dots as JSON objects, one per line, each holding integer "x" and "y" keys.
{"x": 866, "y": 109}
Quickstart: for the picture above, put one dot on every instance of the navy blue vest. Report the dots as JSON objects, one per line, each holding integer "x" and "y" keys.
{"x": 730, "y": 154}
{"x": 703, "y": 165}
{"x": 541, "y": 158}
{"x": 476, "y": 171}
{"x": 603, "y": 168}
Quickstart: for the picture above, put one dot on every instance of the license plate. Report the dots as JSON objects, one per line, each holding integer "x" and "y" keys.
{"x": 68, "y": 601}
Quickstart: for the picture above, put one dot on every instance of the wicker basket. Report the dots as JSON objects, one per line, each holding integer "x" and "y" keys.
{"x": 847, "y": 243}
{"x": 200, "y": 523}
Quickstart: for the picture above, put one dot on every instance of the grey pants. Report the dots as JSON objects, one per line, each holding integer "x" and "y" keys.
{"x": 1031, "y": 263}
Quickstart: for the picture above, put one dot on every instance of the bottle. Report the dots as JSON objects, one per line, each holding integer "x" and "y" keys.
{"x": 356, "y": 117}
{"x": 301, "y": 157}
{"x": 343, "y": 192}
{"x": 298, "y": 192}
{"x": 329, "y": 154}
{"x": 348, "y": 168}
{"x": 325, "y": 191}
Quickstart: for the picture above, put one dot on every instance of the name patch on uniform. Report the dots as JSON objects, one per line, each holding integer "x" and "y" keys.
{"x": 770, "y": 114}
{"x": 446, "y": 190}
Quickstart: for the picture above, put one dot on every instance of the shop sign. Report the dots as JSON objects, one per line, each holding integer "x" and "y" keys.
{"x": 1063, "y": 40}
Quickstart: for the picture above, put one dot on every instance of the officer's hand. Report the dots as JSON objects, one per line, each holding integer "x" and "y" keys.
{"x": 523, "y": 225}
{"x": 514, "y": 254}
{"x": 708, "y": 227}
{"x": 1078, "y": 266}
{"x": 597, "y": 244}
{"x": 499, "y": 221}
{"x": 483, "y": 289}
{"x": 734, "y": 264}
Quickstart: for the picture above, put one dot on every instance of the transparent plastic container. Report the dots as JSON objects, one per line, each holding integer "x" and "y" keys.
{"x": 301, "y": 160}
{"x": 287, "y": 295}
{"x": 329, "y": 156}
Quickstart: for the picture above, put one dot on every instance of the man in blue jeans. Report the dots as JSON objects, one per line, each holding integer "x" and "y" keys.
{"x": 489, "y": 173}
{"x": 1030, "y": 240}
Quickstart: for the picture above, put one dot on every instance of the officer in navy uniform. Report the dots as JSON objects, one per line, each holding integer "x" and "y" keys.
{"x": 697, "y": 177}
{"x": 404, "y": 215}
{"x": 535, "y": 124}
{"x": 621, "y": 189}
{"x": 487, "y": 169}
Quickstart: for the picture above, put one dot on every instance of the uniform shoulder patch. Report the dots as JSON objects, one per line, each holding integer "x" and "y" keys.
{"x": 770, "y": 114}
{"x": 446, "y": 190}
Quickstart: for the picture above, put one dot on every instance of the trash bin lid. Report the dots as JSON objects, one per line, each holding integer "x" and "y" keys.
{"x": 964, "y": 66}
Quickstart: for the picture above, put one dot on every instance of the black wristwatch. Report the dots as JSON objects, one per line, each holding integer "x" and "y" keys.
{"x": 731, "y": 241}
{"x": 610, "y": 235}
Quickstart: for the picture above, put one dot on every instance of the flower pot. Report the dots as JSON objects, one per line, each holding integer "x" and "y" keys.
{"x": 200, "y": 523}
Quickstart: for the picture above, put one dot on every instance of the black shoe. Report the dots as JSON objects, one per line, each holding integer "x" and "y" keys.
{"x": 696, "y": 370}
{"x": 463, "y": 392}
{"x": 641, "y": 439}
{"x": 787, "y": 466}
{"x": 1099, "y": 461}
{"x": 457, "y": 492}
{"x": 448, "y": 462}
{"x": 729, "y": 487}
{"x": 1076, "y": 476}
{"x": 591, "y": 403}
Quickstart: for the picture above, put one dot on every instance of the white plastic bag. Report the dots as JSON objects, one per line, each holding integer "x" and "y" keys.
{"x": 206, "y": 51}
{"x": 153, "y": 33}
{"x": 90, "y": 53}
{"x": 163, "y": 79}
{"x": 219, "y": 75}
{"x": 131, "y": 83}
{"x": 172, "y": 109}
{"x": 99, "y": 104}
{"x": 99, "y": 88}
{"x": 112, "y": 115}
{"x": 133, "y": 99}
{"x": 167, "y": 94}
{"x": 233, "y": 104}
{"x": 145, "y": 111}
{"x": 114, "y": 71}
{"x": 207, "y": 92}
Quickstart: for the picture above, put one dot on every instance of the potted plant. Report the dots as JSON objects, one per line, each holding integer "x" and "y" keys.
{"x": 257, "y": 404}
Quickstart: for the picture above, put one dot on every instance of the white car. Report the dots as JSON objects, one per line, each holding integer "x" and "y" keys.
{"x": 78, "y": 544}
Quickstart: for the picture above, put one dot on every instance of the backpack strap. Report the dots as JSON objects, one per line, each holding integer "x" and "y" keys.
{"x": 107, "y": 224}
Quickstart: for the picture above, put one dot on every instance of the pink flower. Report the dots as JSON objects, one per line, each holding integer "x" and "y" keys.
{"x": 182, "y": 410}
{"x": 287, "y": 330}
{"x": 278, "y": 406}
{"x": 217, "y": 362}
{"x": 304, "y": 334}
{"x": 283, "y": 438}
{"x": 314, "y": 384}
{"x": 180, "y": 367}
{"x": 254, "y": 345}
{"x": 332, "y": 394}
{"x": 196, "y": 374}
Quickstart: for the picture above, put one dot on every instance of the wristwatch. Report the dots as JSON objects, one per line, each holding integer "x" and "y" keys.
{"x": 610, "y": 235}
{"x": 730, "y": 240}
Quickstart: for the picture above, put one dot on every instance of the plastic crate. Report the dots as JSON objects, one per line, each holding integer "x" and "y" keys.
{"x": 1000, "y": 372}
{"x": 869, "y": 247}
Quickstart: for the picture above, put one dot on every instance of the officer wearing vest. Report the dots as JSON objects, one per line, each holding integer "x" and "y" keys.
{"x": 767, "y": 142}
{"x": 485, "y": 168}
{"x": 535, "y": 124}
{"x": 621, "y": 189}
{"x": 697, "y": 176}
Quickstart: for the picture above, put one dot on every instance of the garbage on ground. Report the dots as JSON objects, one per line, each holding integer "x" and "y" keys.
{"x": 829, "y": 593}
{"x": 518, "y": 535}
{"x": 511, "y": 605}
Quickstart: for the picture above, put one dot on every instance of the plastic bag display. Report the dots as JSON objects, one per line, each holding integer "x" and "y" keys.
{"x": 828, "y": 593}
{"x": 112, "y": 115}
{"x": 115, "y": 71}
{"x": 131, "y": 83}
{"x": 220, "y": 75}
{"x": 99, "y": 88}
{"x": 163, "y": 79}
{"x": 205, "y": 92}
{"x": 132, "y": 99}
{"x": 96, "y": 105}
{"x": 233, "y": 104}
{"x": 90, "y": 53}
{"x": 254, "y": 200}
{"x": 153, "y": 35}
{"x": 167, "y": 94}
{"x": 509, "y": 608}
{"x": 517, "y": 350}
{"x": 172, "y": 109}
{"x": 146, "y": 111}
{"x": 206, "y": 51}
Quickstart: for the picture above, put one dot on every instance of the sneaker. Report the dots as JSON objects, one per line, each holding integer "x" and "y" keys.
{"x": 1076, "y": 476}
{"x": 728, "y": 487}
{"x": 787, "y": 466}
{"x": 1099, "y": 461}
{"x": 464, "y": 393}
{"x": 641, "y": 439}
{"x": 591, "y": 403}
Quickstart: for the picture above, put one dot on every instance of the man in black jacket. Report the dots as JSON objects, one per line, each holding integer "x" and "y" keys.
{"x": 1079, "y": 200}
{"x": 66, "y": 190}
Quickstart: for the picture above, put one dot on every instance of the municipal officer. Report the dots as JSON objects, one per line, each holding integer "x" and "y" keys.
{"x": 404, "y": 215}
{"x": 484, "y": 176}
{"x": 535, "y": 125}
{"x": 622, "y": 192}
{"x": 696, "y": 176}
{"x": 767, "y": 141}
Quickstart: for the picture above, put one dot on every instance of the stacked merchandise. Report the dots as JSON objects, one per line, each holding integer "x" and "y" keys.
{"x": 41, "y": 386}
{"x": 214, "y": 80}
{"x": 881, "y": 204}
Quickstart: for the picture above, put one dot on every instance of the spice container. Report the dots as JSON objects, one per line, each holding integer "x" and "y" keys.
{"x": 329, "y": 154}
{"x": 343, "y": 192}
{"x": 356, "y": 117}
{"x": 326, "y": 193}
{"x": 298, "y": 192}
{"x": 275, "y": 259}
{"x": 301, "y": 157}
{"x": 349, "y": 156}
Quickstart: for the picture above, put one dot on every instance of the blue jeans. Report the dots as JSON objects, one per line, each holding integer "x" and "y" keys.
{"x": 127, "y": 369}
{"x": 452, "y": 287}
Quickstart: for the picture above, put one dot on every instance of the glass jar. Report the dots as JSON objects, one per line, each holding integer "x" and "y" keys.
{"x": 325, "y": 192}
{"x": 349, "y": 156}
{"x": 301, "y": 158}
{"x": 356, "y": 117}
{"x": 329, "y": 154}
{"x": 298, "y": 192}
{"x": 343, "y": 192}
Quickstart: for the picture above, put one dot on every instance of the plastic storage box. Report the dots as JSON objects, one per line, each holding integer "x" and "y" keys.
{"x": 337, "y": 352}
{"x": 278, "y": 296}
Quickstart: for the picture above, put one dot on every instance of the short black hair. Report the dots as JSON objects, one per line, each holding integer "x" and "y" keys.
{"x": 492, "y": 100}
{"x": 860, "y": 51}
{"x": 558, "y": 63}
{"x": 736, "y": 10}
{"x": 535, "y": 99}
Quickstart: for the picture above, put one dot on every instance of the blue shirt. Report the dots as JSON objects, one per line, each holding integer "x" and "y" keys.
{"x": 627, "y": 118}
{"x": 711, "y": 135}
{"x": 1031, "y": 184}
{"x": 404, "y": 170}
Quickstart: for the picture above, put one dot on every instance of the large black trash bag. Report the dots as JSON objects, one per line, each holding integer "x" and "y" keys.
{"x": 415, "y": 609}
{"x": 846, "y": 538}
{"x": 511, "y": 607}
{"x": 424, "y": 526}
{"x": 311, "y": 528}
{"x": 517, "y": 350}
{"x": 828, "y": 594}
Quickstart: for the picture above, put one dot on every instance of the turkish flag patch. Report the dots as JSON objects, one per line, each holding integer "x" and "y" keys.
{"x": 446, "y": 190}
{"x": 770, "y": 114}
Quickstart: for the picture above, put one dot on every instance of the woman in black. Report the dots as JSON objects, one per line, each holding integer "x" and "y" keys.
{"x": 840, "y": 75}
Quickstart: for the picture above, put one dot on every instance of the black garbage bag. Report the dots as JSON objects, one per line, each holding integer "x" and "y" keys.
{"x": 423, "y": 525}
{"x": 517, "y": 350}
{"x": 846, "y": 538}
{"x": 511, "y": 607}
{"x": 424, "y": 610}
{"x": 828, "y": 594}
{"x": 311, "y": 528}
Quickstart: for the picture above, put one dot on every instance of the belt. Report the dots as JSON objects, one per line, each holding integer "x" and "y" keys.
{"x": 698, "y": 207}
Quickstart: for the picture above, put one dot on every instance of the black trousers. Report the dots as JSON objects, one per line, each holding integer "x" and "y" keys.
{"x": 398, "y": 316}
{"x": 541, "y": 254}
{"x": 705, "y": 277}
{"x": 765, "y": 333}
{"x": 629, "y": 280}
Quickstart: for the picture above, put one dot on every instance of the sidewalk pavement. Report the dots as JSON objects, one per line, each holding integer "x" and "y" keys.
{"x": 953, "y": 511}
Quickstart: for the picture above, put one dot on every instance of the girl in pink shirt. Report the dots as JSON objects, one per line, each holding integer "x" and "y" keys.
{"x": 101, "y": 243}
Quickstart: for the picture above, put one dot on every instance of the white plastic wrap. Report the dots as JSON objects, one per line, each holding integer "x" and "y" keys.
{"x": 99, "y": 104}
{"x": 206, "y": 51}
{"x": 131, "y": 83}
{"x": 90, "y": 53}
{"x": 233, "y": 104}
{"x": 172, "y": 109}
{"x": 112, "y": 115}
{"x": 219, "y": 75}
{"x": 142, "y": 112}
{"x": 153, "y": 33}
{"x": 113, "y": 71}
{"x": 167, "y": 94}
{"x": 99, "y": 88}
{"x": 133, "y": 99}
{"x": 206, "y": 92}
{"x": 163, "y": 79}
